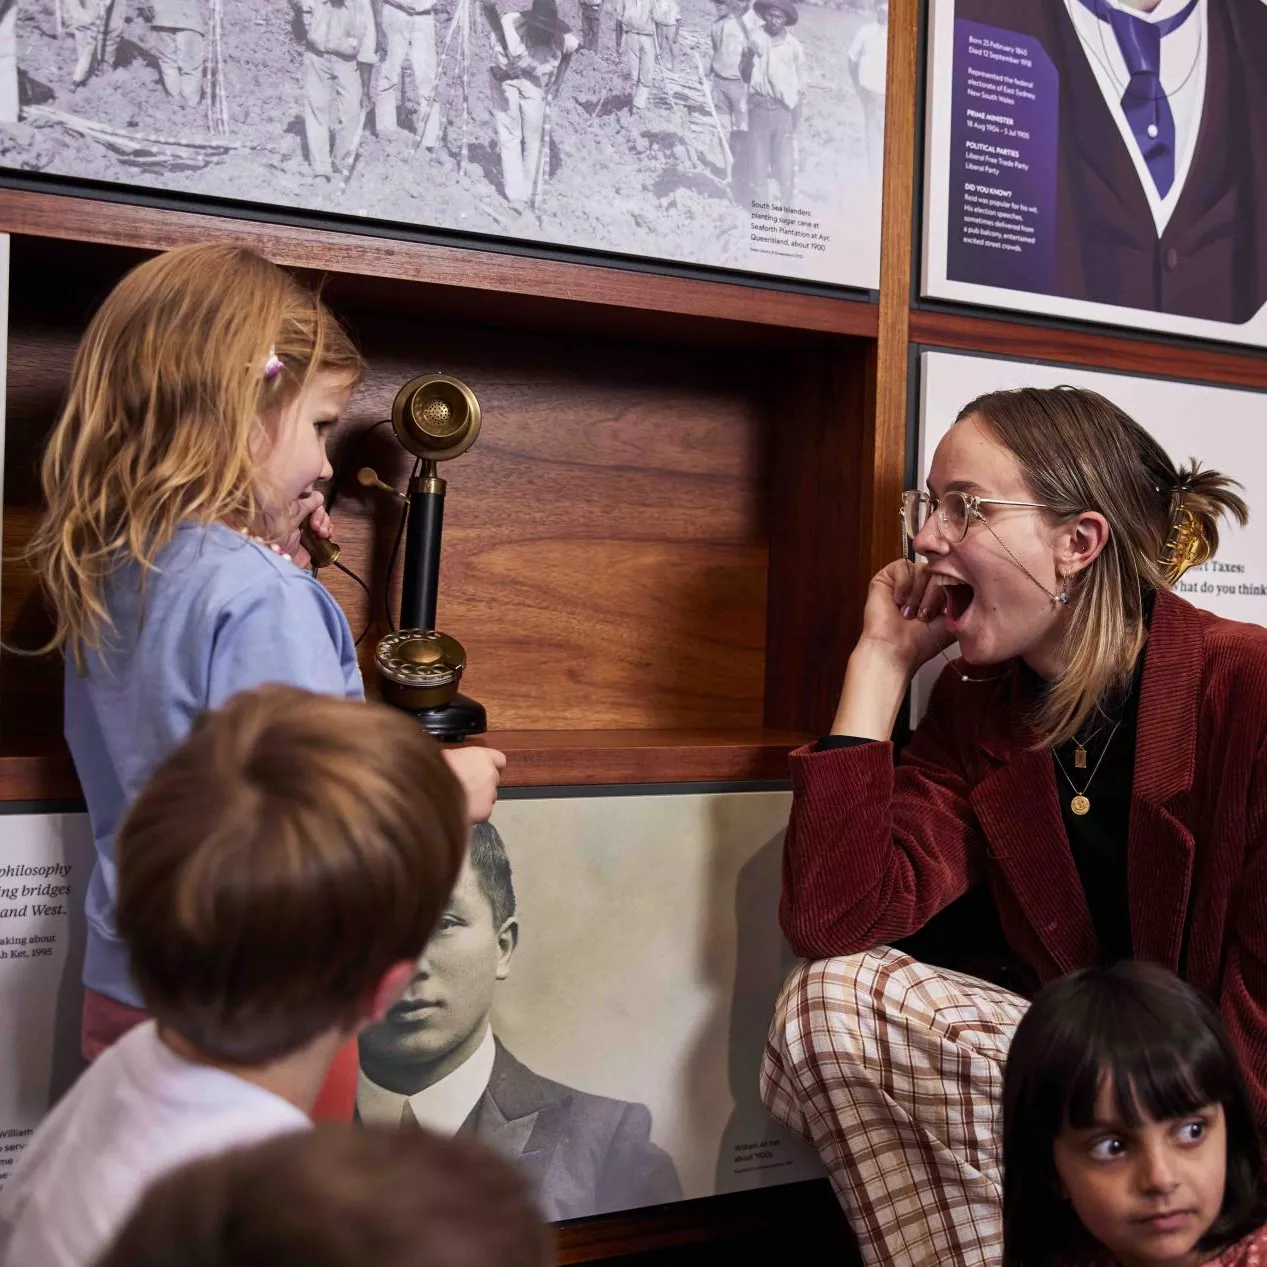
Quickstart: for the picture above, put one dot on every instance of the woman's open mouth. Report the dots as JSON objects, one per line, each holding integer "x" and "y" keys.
{"x": 959, "y": 596}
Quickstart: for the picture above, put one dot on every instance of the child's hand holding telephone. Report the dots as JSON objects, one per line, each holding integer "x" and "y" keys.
{"x": 311, "y": 523}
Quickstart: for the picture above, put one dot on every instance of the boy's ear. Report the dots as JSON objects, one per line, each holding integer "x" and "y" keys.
{"x": 388, "y": 991}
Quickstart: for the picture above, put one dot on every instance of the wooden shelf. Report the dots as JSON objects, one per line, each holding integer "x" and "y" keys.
{"x": 541, "y": 758}
{"x": 1101, "y": 350}
{"x": 462, "y": 276}
{"x": 770, "y": 1221}
{"x": 39, "y": 776}
{"x": 535, "y": 758}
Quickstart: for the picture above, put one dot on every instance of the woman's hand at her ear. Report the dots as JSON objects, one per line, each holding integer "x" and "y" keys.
{"x": 903, "y": 627}
{"x": 479, "y": 772}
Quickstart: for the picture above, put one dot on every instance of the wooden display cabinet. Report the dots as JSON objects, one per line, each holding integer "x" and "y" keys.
{"x": 655, "y": 554}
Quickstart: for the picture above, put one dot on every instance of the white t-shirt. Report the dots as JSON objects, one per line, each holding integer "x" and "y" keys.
{"x": 139, "y": 1111}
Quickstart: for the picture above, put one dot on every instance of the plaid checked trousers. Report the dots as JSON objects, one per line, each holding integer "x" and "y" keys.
{"x": 894, "y": 1071}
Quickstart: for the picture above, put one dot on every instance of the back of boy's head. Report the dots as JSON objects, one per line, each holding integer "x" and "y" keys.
{"x": 340, "y": 1196}
{"x": 1165, "y": 1049}
{"x": 279, "y": 862}
{"x": 159, "y": 421}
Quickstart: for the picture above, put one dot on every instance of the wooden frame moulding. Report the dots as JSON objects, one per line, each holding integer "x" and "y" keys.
{"x": 1111, "y": 350}
{"x": 885, "y": 444}
{"x": 499, "y": 277}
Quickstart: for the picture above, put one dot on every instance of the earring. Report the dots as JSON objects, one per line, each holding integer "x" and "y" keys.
{"x": 1062, "y": 598}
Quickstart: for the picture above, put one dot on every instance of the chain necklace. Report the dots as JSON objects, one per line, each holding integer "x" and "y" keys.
{"x": 1081, "y": 803}
{"x": 963, "y": 677}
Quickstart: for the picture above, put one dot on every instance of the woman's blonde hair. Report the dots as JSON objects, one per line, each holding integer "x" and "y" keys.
{"x": 1078, "y": 452}
{"x": 168, "y": 387}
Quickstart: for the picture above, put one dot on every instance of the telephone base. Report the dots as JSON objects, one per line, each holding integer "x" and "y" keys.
{"x": 459, "y": 719}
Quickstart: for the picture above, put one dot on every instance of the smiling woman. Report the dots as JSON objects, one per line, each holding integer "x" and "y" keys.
{"x": 1098, "y": 736}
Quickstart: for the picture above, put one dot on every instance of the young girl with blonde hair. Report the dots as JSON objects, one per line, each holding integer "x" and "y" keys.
{"x": 1092, "y": 774}
{"x": 178, "y": 478}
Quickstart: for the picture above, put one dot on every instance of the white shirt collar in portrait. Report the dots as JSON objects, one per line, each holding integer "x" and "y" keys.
{"x": 1184, "y": 57}
{"x": 441, "y": 1107}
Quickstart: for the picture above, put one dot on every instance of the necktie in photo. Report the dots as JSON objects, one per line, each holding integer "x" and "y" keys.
{"x": 1145, "y": 104}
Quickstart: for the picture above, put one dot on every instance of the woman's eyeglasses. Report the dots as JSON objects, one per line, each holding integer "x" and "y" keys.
{"x": 954, "y": 512}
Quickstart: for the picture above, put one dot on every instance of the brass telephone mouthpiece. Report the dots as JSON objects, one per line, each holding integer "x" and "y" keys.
{"x": 321, "y": 550}
{"x": 436, "y": 417}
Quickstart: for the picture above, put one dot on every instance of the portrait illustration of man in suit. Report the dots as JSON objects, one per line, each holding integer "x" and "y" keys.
{"x": 435, "y": 1062}
{"x": 1161, "y": 150}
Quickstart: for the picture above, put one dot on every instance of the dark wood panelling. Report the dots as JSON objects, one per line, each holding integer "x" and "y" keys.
{"x": 818, "y": 533}
{"x": 607, "y": 541}
{"x": 605, "y": 547}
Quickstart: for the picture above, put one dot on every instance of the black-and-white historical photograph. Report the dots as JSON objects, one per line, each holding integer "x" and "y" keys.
{"x": 743, "y": 134}
{"x": 604, "y": 1034}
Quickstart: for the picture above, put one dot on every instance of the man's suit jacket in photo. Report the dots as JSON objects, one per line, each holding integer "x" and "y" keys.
{"x": 586, "y": 1153}
{"x": 1211, "y": 261}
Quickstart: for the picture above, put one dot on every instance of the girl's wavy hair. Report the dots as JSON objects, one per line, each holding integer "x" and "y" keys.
{"x": 167, "y": 396}
{"x": 1078, "y": 451}
{"x": 1166, "y": 1054}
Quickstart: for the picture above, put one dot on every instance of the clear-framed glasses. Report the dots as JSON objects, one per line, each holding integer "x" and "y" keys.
{"x": 954, "y": 512}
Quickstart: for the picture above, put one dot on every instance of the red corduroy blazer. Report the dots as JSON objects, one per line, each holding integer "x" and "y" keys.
{"x": 873, "y": 851}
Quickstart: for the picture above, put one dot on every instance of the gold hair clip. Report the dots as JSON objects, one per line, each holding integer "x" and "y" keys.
{"x": 1186, "y": 545}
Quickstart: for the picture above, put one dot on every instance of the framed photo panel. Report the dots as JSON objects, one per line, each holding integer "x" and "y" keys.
{"x": 701, "y": 132}
{"x": 1089, "y": 159}
{"x": 596, "y": 998}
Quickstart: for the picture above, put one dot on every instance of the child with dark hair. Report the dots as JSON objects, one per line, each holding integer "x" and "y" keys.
{"x": 1127, "y": 1131}
{"x": 339, "y": 1196}
{"x": 435, "y": 1062}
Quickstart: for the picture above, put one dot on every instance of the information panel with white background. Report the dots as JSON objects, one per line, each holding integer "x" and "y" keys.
{"x": 45, "y": 862}
{"x": 1054, "y": 185}
{"x": 1225, "y": 428}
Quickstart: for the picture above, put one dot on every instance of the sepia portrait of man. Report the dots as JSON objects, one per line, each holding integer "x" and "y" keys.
{"x": 435, "y": 1062}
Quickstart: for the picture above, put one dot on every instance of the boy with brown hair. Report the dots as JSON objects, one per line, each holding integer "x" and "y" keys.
{"x": 340, "y": 1196}
{"x": 278, "y": 878}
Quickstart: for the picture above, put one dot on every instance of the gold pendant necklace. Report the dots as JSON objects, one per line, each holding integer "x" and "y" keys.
{"x": 1081, "y": 802}
{"x": 1080, "y": 747}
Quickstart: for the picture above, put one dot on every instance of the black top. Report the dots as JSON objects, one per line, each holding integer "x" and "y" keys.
{"x": 1097, "y": 839}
